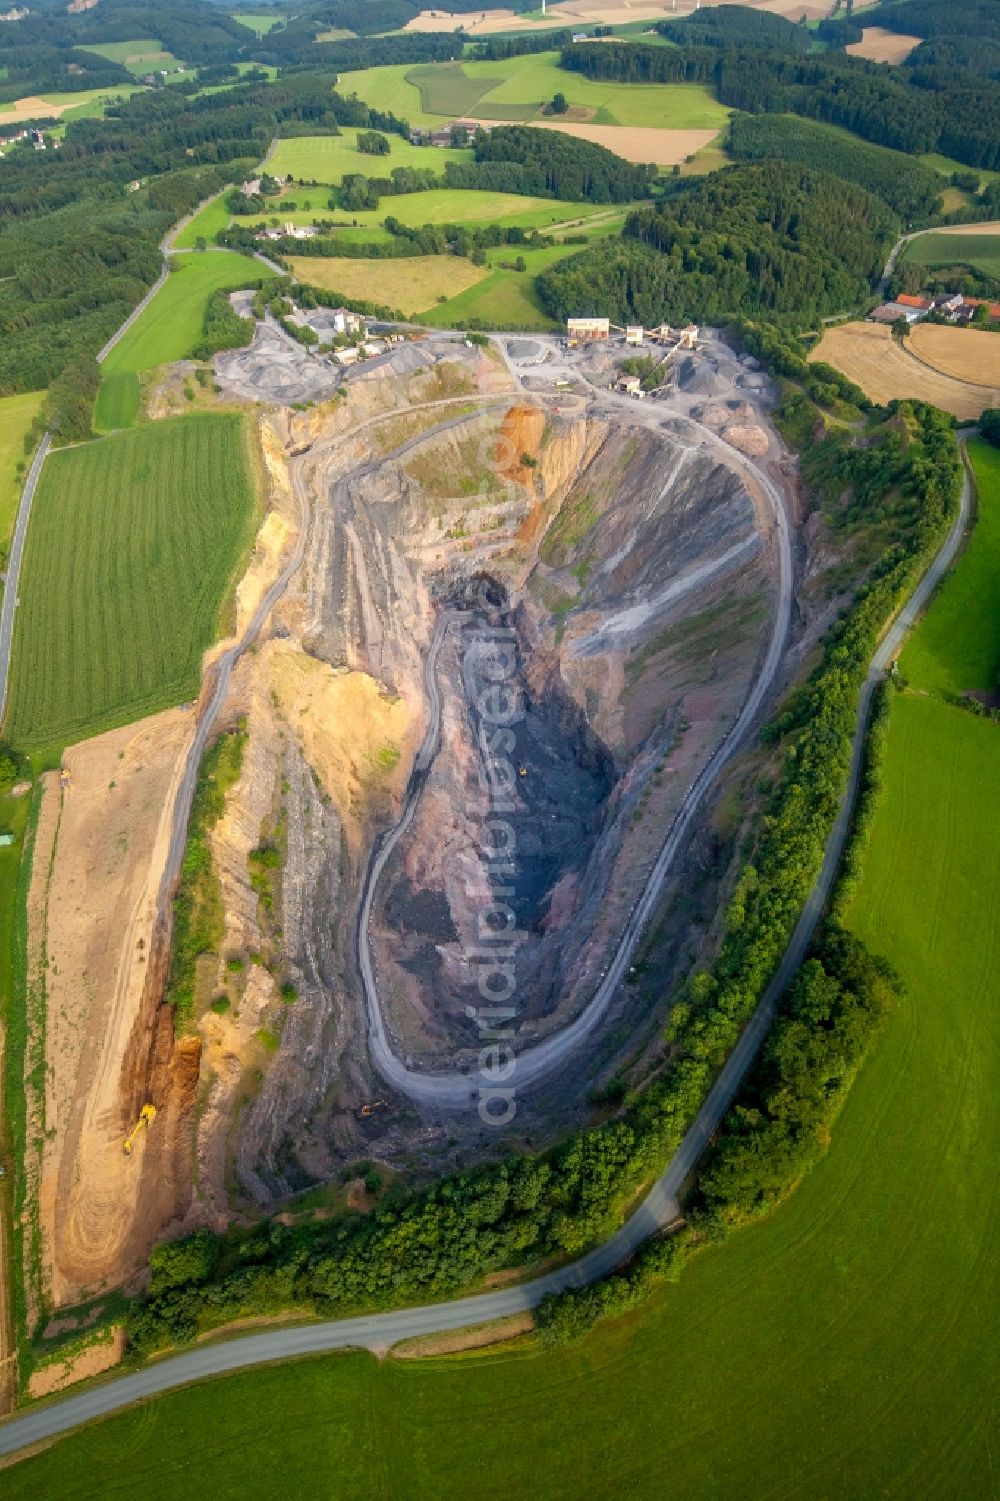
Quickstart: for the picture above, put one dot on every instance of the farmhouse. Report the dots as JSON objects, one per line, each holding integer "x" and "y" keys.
{"x": 586, "y": 330}
{"x": 891, "y": 312}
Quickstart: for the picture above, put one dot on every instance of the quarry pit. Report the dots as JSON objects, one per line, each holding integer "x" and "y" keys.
{"x": 507, "y": 602}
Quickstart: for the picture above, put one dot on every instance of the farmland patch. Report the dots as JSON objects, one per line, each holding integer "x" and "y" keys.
{"x": 17, "y": 413}
{"x": 881, "y": 46}
{"x": 410, "y": 285}
{"x": 867, "y": 354}
{"x": 132, "y": 548}
{"x": 171, "y": 326}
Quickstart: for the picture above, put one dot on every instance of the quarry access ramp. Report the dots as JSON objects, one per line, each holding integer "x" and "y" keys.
{"x": 657, "y": 1210}
{"x": 453, "y": 1091}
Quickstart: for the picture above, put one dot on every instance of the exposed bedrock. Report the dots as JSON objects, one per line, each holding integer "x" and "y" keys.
{"x": 600, "y": 620}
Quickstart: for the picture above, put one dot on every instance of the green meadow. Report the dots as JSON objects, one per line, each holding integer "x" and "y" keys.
{"x": 518, "y": 88}
{"x": 17, "y": 413}
{"x": 982, "y": 252}
{"x": 132, "y": 548}
{"x": 169, "y": 329}
{"x": 326, "y": 159}
{"x": 946, "y": 655}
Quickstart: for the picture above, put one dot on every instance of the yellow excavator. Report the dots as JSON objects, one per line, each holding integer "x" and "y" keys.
{"x": 147, "y": 1116}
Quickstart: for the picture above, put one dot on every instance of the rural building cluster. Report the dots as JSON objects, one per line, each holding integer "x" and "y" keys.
{"x": 600, "y": 330}
{"x": 952, "y": 306}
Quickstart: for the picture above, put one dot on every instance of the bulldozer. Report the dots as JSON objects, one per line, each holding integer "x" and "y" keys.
{"x": 147, "y": 1116}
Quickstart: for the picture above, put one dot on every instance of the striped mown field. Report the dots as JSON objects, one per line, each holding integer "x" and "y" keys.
{"x": 133, "y": 545}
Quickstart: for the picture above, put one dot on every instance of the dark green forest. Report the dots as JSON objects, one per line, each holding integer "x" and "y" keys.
{"x": 910, "y": 108}
{"x": 911, "y": 190}
{"x": 547, "y": 164}
{"x": 736, "y": 26}
{"x": 766, "y": 239}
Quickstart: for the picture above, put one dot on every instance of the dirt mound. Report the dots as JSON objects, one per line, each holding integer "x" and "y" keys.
{"x": 94, "y": 886}
{"x": 697, "y": 377}
{"x": 751, "y": 440}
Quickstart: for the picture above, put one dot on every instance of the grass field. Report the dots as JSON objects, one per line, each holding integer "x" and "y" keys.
{"x": 504, "y": 299}
{"x": 17, "y": 413}
{"x": 534, "y": 80}
{"x": 169, "y": 329}
{"x": 254, "y": 21}
{"x": 842, "y": 1348}
{"x": 118, "y": 401}
{"x": 944, "y": 655}
{"x": 947, "y": 165}
{"x": 516, "y": 89}
{"x": 325, "y": 159}
{"x": 409, "y": 285}
{"x": 435, "y": 206}
{"x": 131, "y": 551}
{"x": 86, "y": 103}
{"x": 981, "y": 251}
{"x": 205, "y": 225}
{"x": 868, "y": 355}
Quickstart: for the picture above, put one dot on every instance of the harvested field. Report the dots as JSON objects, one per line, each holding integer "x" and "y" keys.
{"x": 967, "y": 354}
{"x": 487, "y": 22}
{"x": 635, "y": 143}
{"x": 881, "y": 46}
{"x": 992, "y": 227}
{"x": 412, "y": 285}
{"x": 868, "y": 354}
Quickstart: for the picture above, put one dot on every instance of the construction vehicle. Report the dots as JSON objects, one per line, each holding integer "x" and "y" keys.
{"x": 147, "y": 1116}
{"x": 370, "y": 1109}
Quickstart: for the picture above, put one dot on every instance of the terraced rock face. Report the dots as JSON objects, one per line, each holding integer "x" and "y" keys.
{"x": 516, "y": 638}
{"x": 613, "y": 582}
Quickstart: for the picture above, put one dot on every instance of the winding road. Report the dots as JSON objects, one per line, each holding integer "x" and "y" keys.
{"x": 452, "y": 1091}
{"x": 658, "y": 1209}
